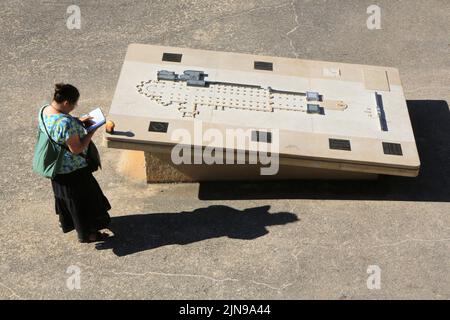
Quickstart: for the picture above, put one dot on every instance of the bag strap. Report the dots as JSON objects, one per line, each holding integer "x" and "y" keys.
{"x": 48, "y": 135}
{"x": 43, "y": 124}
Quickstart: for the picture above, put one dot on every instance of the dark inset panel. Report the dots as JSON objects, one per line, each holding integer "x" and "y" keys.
{"x": 392, "y": 148}
{"x": 340, "y": 144}
{"x": 261, "y": 65}
{"x": 156, "y": 126}
{"x": 262, "y": 136}
{"x": 381, "y": 112}
{"x": 173, "y": 57}
{"x": 315, "y": 108}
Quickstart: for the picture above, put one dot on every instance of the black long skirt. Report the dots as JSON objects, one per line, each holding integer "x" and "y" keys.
{"x": 80, "y": 203}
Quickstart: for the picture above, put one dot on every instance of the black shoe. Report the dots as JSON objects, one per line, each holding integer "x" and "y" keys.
{"x": 99, "y": 236}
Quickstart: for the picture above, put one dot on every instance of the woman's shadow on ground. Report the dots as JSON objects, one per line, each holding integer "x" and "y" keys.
{"x": 135, "y": 233}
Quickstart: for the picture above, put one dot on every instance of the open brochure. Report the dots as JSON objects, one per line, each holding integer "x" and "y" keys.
{"x": 98, "y": 119}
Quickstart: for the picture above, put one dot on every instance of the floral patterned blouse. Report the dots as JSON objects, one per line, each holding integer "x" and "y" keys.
{"x": 60, "y": 128}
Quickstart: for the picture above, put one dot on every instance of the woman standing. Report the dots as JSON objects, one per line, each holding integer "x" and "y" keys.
{"x": 79, "y": 200}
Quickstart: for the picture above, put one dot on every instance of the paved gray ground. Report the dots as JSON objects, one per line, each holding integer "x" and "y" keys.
{"x": 174, "y": 241}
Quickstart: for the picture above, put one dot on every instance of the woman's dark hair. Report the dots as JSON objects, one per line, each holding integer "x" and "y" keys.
{"x": 66, "y": 92}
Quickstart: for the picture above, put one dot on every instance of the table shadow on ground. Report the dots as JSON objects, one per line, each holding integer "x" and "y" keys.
{"x": 431, "y": 124}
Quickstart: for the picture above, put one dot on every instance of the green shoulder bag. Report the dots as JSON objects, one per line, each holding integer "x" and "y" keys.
{"x": 47, "y": 157}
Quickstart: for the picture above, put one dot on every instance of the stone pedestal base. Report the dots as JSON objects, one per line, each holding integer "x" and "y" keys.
{"x": 159, "y": 168}
{"x": 155, "y": 166}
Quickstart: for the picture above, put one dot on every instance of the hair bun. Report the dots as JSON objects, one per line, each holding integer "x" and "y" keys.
{"x": 59, "y": 86}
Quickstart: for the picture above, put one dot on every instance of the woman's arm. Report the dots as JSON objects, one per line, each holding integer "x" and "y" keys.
{"x": 77, "y": 145}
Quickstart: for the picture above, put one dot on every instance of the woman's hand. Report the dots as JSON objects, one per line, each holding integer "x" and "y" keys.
{"x": 86, "y": 120}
